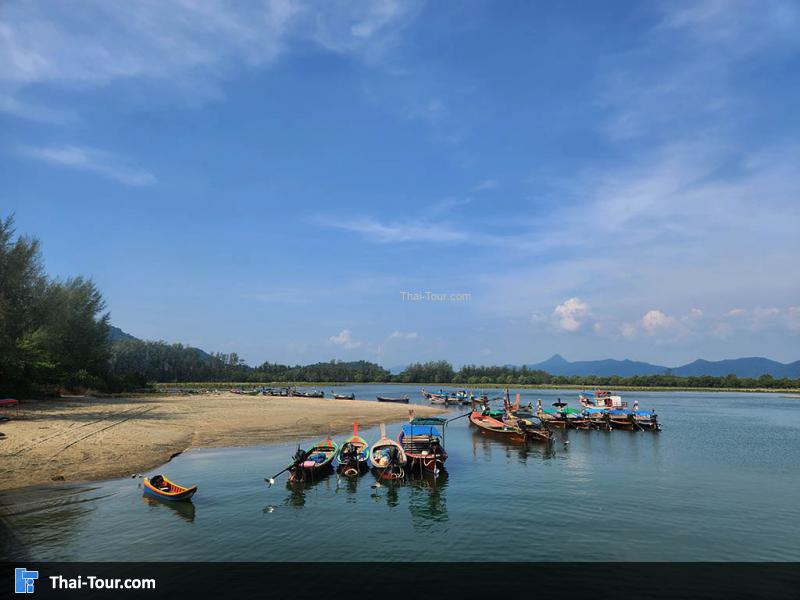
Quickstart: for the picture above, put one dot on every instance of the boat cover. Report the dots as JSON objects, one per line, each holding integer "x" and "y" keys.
{"x": 408, "y": 429}
{"x": 416, "y": 421}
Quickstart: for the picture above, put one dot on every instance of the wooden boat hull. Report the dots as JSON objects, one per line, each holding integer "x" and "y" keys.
{"x": 491, "y": 426}
{"x": 399, "y": 400}
{"x": 382, "y": 465}
{"x": 425, "y": 462}
{"x": 344, "y": 396}
{"x": 311, "y": 469}
{"x": 176, "y": 492}
{"x": 349, "y": 465}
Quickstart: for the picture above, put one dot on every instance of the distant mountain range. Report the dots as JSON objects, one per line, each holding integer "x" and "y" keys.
{"x": 741, "y": 367}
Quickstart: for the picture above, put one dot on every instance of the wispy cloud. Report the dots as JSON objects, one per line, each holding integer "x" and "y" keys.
{"x": 679, "y": 80}
{"x": 403, "y": 335}
{"x": 486, "y": 185}
{"x": 90, "y": 159}
{"x": 35, "y": 112}
{"x": 186, "y": 46}
{"x": 400, "y": 231}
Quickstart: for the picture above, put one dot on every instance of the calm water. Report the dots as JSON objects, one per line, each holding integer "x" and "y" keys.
{"x": 720, "y": 482}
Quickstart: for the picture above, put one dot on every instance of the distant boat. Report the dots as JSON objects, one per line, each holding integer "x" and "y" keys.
{"x": 353, "y": 455}
{"x": 387, "y": 457}
{"x": 601, "y": 399}
{"x": 311, "y": 394}
{"x": 162, "y": 488}
{"x": 402, "y": 399}
{"x": 344, "y": 396}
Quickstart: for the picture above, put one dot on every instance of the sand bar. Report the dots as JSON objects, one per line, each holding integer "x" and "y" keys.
{"x": 76, "y": 439}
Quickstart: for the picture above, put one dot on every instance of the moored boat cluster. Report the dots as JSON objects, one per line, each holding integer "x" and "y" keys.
{"x": 420, "y": 446}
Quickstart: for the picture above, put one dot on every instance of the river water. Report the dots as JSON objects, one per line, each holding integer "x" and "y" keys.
{"x": 721, "y": 482}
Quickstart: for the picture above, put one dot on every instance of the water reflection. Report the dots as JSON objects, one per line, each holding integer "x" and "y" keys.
{"x": 298, "y": 490}
{"x": 427, "y": 499}
{"x": 484, "y": 446}
{"x": 183, "y": 510}
{"x": 348, "y": 485}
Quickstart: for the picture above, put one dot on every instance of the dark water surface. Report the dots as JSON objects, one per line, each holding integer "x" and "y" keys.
{"x": 720, "y": 482}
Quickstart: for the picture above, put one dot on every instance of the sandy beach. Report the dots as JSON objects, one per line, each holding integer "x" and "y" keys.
{"x": 74, "y": 439}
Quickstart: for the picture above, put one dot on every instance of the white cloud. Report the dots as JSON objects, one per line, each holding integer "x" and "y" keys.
{"x": 344, "y": 339}
{"x": 570, "y": 314}
{"x": 90, "y": 159}
{"x": 403, "y": 335}
{"x": 655, "y": 321}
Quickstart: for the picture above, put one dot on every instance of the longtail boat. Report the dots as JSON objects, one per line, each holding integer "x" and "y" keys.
{"x": 633, "y": 420}
{"x": 402, "y": 399}
{"x": 423, "y": 443}
{"x": 162, "y": 488}
{"x": 353, "y": 455}
{"x": 532, "y": 429}
{"x": 387, "y": 457}
{"x": 313, "y": 462}
{"x": 597, "y": 418}
{"x": 488, "y": 424}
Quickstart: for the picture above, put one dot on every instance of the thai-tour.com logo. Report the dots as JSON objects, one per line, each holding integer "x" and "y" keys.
{"x": 24, "y": 580}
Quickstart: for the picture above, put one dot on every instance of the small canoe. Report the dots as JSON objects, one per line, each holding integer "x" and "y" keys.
{"x": 344, "y": 396}
{"x": 353, "y": 455}
{"x": 387, "y": 457}
{"x": 313, "y": 462}
{"x": 162, "y": 488}
{"x": 402, "y": 399}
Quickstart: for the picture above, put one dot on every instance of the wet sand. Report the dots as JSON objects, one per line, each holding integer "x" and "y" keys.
{"x": 76, "y": 439}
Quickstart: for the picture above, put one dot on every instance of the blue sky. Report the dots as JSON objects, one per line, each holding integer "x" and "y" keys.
{"x": 602, "y": 180}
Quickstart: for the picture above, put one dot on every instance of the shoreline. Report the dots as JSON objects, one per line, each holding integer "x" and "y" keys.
{"x": 83, "y": 439}
{"x": 217, "y": 386}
